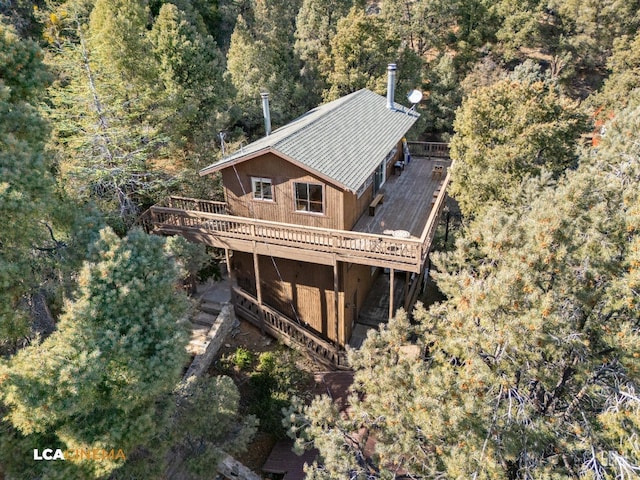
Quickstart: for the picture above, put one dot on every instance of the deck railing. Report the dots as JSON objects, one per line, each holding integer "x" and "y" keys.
{"x": 286, "y": 329}
{"x": 429, "y": 149}
{"x": 355, "y": 247}
{"x": 196, "y": 204}
{"x": 432, "y": 221}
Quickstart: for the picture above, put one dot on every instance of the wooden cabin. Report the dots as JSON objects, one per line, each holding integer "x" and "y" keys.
{"x": 316, "y": 212}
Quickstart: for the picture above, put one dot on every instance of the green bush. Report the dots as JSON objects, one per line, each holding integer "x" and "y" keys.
{"x": 274, "y": 381}
{"x": 243, "y": 358}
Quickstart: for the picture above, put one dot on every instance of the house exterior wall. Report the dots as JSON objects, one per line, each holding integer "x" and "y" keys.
{"x": 358, "y": 280}
{"x": 354, "y": 206}
{"x": 299, "y": 290}
{"x": 283, "y": 175}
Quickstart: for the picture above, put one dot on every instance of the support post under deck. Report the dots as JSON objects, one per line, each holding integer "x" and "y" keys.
{"x": 256, "y": 268}
{"x": 391, "y": 275}
{"x": 336, "y": 300}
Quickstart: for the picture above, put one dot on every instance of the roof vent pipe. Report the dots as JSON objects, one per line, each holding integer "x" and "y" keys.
{"x": 266, "y": 113}
{"x": 391, "y": 85}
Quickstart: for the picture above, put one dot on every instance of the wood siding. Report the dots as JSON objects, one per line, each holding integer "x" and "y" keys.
{"x": 283, "y": 175}
{"x": 300, "y": 290}
{"x": 358, "y": 280}
{"x": 355, "y": 207}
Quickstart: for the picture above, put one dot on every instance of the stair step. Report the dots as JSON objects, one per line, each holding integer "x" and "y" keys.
{"x": 205, "y": 319}
{"x": 213, "y": 308}
{"x": 199, "y": 329}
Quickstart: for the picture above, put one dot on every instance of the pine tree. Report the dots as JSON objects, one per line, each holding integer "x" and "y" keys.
{"x": 103, "y": 378}
{"x": 531, "y": 365}
{"x": 590, "y": 27}
{"x": 316, "y": 24}
{"x": 261, "y": 58}
{"x": 27, "y": 187}
{"x": 623, "y": 79}
{"x": 361, "y": 49}
{"x": 515, "y": 128}
{"x": 191, "y": 69}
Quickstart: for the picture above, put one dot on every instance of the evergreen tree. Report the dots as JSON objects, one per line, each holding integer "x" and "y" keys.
{"x": 106, "y": 107}
{"x": 589, "y": 27}
{"x": 361, "y": 49}
{"x": 103, "y": 378}
{"x": 624, "y": 77}
{"x": 27, "y": 187}
{"x": 194, "y": 89}
{"x": 506, "y": 132}
{"x": 261, "y": 58}
{"x": 316, "y": 25}
{"x": 443, "y": 94}
{"x": 531, "y": 365}
{"x": 521, "y": 25}
{"x": 207, "y": 432}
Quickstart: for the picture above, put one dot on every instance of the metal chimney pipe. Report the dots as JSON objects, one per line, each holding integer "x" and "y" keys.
{"x": 391, "y": 85}
{"x": 266, "y": 113}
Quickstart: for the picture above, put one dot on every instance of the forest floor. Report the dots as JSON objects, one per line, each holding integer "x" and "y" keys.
{"x": 247, "y": 337}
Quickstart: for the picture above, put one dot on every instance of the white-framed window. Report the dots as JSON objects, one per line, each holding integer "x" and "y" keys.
{"x": 309, "y": 197}
{"x": 262, "y": 189}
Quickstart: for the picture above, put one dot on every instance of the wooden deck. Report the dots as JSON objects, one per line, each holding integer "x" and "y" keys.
{"x": 408, "y": 199}
{"x": 372, "y": 242}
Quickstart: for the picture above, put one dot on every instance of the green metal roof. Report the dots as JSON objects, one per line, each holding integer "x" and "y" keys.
{"x": 344, "y": 140}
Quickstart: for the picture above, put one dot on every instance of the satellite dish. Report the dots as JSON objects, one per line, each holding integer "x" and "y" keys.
{"x": 414, "y": 96}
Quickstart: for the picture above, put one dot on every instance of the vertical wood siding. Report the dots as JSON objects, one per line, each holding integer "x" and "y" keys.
{"x": 300, "y": 290}
{"x": 356, "y": 278}
{"x": 355, "y": 207}
{"x": 283, "y": 175}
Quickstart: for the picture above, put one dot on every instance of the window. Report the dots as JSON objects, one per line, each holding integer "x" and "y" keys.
{"x": 309, "y": 197}
{"x": 379, "y": 176}
{"x": 262, "y": 189}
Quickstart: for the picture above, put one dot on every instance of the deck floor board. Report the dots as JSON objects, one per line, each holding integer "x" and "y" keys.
{"x": 402, "y": 208}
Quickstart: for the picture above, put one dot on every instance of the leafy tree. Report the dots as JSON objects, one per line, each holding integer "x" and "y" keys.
{"x": 27, "y": 187}
{"x": 506, "y": 132}
{"x": 103, "y": 378}
{"x": 531, "y": 365}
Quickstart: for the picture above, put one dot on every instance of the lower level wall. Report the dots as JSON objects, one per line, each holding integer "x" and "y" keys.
{"x": 358, "y": 280}
{"x": 300, "y": 290}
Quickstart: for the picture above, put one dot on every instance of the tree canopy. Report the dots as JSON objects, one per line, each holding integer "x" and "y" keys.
{"x": 27, "y": 185}
{"x": 506, "y": 132}
{"x": 530, "y": 366}
{"x": 100, "y": 380}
